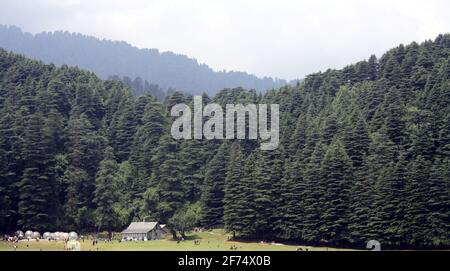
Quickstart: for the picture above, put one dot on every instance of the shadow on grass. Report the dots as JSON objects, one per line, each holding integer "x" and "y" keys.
{"x": 188, "y": 238}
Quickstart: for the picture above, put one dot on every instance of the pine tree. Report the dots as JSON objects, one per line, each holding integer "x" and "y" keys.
{"x": 394, "y": 123}
{"x": 266, "y": 191}
{"x": 357, "y": 141}
{"x": 8, "y": 175}
{"x": 36, "y": 188}
{"x": 213, "y": 189}
{"x": 85, "y": 153}
{"x": 105, "y": 194}
{"x": 123, "y": 128}
{"x": 58, "y": 99}
{"x": 378, "y": 166}
{"x": 314, "y": 190}
{"x": 169, "y": 190}
{"x": 330, "y": 129}
{"x": 298, "y": 139}
{"x": 193, "y": 158}
{"x": 337, "y": 171}
{"x": 417, "y": 195}
{"x": 389, "y": 203}
{"x": 173, "y": 99}
{"x": 443, "y": 148}
{"x": 130, "y": 199}
{"x": 78, "y": 211}
{"x": 438, "y": 204}
{"x": 233, "y": 200}
{"x": 246, "y": 196}
{"x": 146, "y": 141}
{"x": 291, "y": 203}
{"x": 87, "y": 103}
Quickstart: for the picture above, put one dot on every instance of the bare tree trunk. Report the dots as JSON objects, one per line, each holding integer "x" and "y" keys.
{"x": 174, "y": 234}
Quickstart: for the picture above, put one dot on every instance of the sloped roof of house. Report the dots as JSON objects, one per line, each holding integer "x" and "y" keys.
{"x": 140, "y": 227}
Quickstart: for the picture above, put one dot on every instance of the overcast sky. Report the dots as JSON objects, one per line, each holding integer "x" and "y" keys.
{"x": 279, "y": 38}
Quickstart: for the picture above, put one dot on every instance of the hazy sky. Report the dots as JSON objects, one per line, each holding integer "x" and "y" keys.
{"x": 278, "y": 38}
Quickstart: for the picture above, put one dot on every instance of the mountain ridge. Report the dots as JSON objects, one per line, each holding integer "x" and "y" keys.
{"x": 118, "y": 58}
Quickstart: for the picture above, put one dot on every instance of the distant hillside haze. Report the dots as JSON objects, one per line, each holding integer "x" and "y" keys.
{"x": 112, "y": 58}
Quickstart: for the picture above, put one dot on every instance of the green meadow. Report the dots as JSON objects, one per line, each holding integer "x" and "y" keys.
{"x": 216, "y": 240}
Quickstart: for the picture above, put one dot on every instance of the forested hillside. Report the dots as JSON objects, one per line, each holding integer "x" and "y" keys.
{"x": 364, "y": 154}
{"x": 142, "y": 87}
{"x": 110, "y": 58}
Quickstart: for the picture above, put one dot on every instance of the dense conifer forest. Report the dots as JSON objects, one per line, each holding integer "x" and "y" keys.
{"x": 364, "y": 154}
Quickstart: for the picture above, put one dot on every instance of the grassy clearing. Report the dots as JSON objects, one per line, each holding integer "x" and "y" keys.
{"x": 216, "y": 240}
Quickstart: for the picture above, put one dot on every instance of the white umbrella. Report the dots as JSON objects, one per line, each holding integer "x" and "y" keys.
{"x": 29, "y": 234}
{"x": 46, "y": 235}
{"x": 73, "y": 236}
{"x": 36, "y": 235}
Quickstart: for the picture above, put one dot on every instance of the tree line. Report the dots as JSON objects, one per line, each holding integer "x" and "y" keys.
{"x": 106, "y": 58}
{"x": 364, "y": 154}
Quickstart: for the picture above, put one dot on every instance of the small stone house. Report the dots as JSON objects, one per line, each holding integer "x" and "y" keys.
{"x": 143, "y": 231}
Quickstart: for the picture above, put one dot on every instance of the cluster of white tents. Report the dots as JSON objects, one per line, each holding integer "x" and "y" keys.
{"x": 56, "y": 236}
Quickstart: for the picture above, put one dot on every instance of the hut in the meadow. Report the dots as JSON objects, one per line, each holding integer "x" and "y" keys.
{"x": 143, "y": 231}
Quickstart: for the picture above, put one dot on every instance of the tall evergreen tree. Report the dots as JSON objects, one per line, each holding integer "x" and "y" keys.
{"x": 213, "y": 189}
{"x": 233, "y": 200}
{"x": 266, "y": 191}
{"x": 105, "y": 194}
{"x": 337, "y": 171}
{"x": 36, "y": 188}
